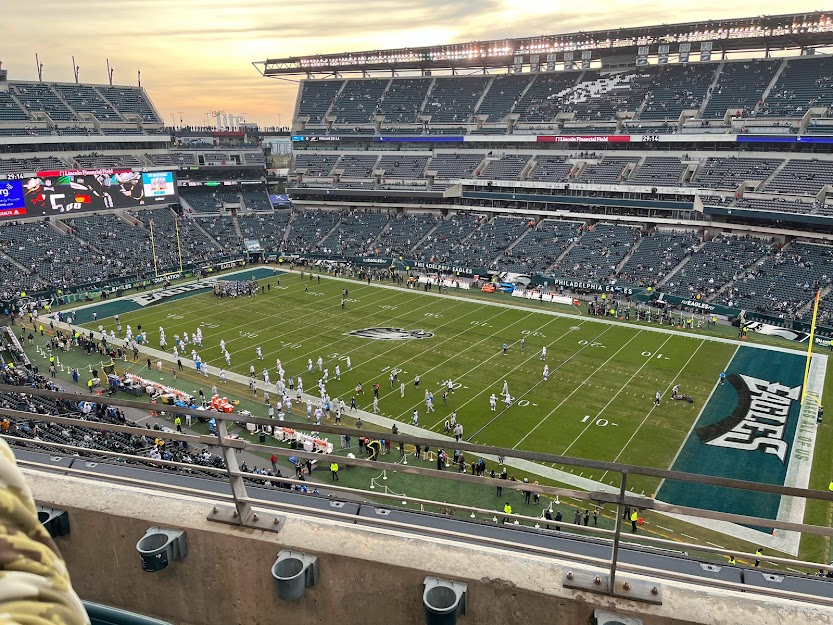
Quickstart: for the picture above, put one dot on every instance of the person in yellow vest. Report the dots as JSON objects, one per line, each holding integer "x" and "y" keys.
{"x": 508, "y": 510}
{"x": 334, "y": 470}
{"x": 829, "y": 486}
{"x": 634, "y": 519}
{"x": 40, "y": 329}
{"x": 52, "y": 360}
{"x": 758, "y": 553}
{"x": 90, "y": 385}
{"x": 732, "y": 560}
{"x": 178, "y": 423}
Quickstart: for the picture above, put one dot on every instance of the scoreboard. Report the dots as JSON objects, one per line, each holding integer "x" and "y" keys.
{"x": 59, "y": 192}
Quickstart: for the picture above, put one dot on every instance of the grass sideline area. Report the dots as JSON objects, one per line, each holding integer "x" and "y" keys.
{"x": 417, "y": 487}
{"x": 598, "y": 402}
{"x": 612, "y": 383}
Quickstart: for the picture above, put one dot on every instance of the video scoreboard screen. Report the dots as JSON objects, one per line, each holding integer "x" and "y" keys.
{"x": 58, "y": 192}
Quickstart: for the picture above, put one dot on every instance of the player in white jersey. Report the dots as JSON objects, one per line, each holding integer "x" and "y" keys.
{"x": 259, "y": 353}
{"x": 450, "y": 385}
{"x": 252, "y": 370}
{"x": 349, "y": 364}
{"x": 222, "y": 375}
{"x": 184, "y": 335}
{"x": 493, "y": 402}
{"x": 546, "y": 372}
{"x": 507, "y": 400}
{"x": 320, "y": 363}
{"x": 228, "y": 358}
{"x": 287, "y": 401}
{"x": 176, "y": 352}
{"x": 112, "y": 337}
{"x": 544, "y": 352}
{"x": 429, "y": 404}
{"x": 318, "y": 414}
{"x": 415, "y": 418}
{"x": 222, "y": 345}
{"x": 375, "y": 405}
{"x": 309, "y": 365}
{"x": 326, "y": 375}
{"x": 300, "y": 384}
{"x": 453, "y": 418}
{"x": 309, "y": 409}
{"x": 266, "y": 377}
{"x": 338, "y": 372}
{"x": 505, "y": 388}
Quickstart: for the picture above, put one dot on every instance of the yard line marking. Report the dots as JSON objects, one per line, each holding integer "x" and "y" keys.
{"x": 370, "y": 343}
{"x": 612, "y": 399}
{"x": 427, "y": 349}
{"x": 163, "y": 311}
{"x": 713, "y": 545}
{"x": 694, "y": 422}
{"x": 480, "y": 363}
{"x": 575, "y": 390}
{"x": 687, "y": 536}
{"x": 533, "y": 356}
{"x": 541, "y": 381}
{"x": 593, "y": 318}
{"x": 647, "y": 416}
{"x": 153, "y": 319}
{"x": 506, "y": 374}
{"x": 302, "y": 328}
{"x": 667, "y": 529}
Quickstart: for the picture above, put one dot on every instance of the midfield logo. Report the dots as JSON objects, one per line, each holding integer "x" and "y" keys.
{"x": 390, "y": 334}
{"x": 759, "y": 419}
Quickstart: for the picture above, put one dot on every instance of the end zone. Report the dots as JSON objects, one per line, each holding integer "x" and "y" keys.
{"x": 754, "y": 427}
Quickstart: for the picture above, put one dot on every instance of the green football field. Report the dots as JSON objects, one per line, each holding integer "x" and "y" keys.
{"x": 598, "y": 402}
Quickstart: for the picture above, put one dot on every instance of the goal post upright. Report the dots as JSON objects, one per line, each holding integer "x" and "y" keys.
{"x": 810, "y": 345}
{"x": 153, "y": 250}
{"x": 178, "y": 244}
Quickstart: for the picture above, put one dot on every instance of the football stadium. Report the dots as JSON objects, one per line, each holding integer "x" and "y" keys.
{"x": 498, "y": 331}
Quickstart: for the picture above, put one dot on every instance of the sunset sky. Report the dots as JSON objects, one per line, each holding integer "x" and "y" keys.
{"x": 196, "y": 55}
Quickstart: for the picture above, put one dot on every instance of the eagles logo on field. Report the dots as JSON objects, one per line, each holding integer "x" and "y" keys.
{"x": 759, "y": 419}
{"x": 390, "y": 334}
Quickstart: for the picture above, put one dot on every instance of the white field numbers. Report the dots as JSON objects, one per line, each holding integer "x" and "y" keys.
{"x": 602, "y": 423}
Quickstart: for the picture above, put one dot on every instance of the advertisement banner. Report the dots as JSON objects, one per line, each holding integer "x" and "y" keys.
{"x": 585, "y": 285}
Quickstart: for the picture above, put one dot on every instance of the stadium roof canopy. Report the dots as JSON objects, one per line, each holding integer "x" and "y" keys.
{"x": 763, "y": 33}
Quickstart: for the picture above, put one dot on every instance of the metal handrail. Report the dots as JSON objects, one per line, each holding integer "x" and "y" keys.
{"x": 243, "y": 500}
{"x": 540, "y": 457}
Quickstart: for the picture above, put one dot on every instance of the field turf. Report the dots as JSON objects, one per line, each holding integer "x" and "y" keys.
{"x": 598, "y": 401}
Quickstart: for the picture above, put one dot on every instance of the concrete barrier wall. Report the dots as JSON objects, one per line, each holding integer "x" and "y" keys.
{"x": 367, "y": 575}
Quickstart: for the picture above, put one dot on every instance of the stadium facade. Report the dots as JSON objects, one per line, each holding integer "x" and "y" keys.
{"x": 689, "y": 164}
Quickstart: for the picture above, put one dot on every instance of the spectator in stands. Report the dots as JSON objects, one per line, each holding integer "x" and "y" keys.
{"x": 34, "y": 578}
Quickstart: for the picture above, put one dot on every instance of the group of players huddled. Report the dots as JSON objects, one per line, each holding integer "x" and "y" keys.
{"x": 235, "y": 288}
